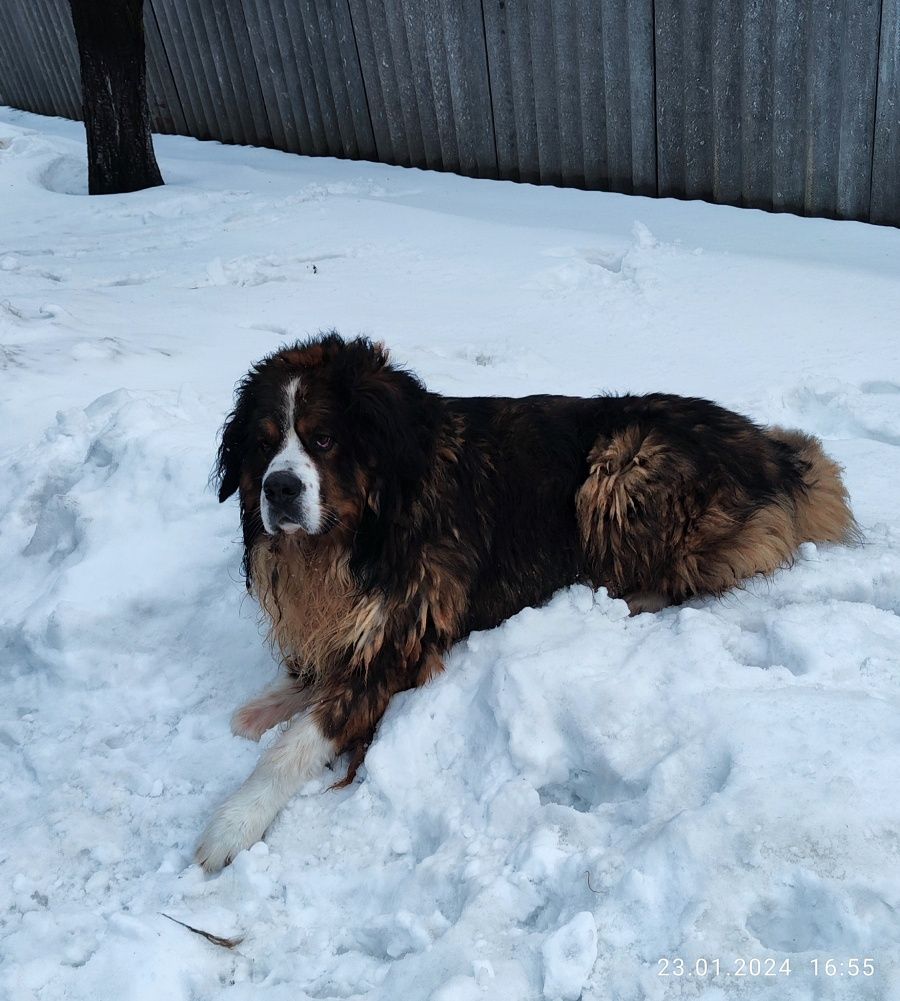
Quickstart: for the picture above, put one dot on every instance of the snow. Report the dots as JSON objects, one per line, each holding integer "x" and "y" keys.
{"x": 580, "y": 795}
{"x": 569, "y": 956}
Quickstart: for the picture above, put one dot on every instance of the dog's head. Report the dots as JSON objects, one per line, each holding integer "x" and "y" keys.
{"x": 324, "y": 436}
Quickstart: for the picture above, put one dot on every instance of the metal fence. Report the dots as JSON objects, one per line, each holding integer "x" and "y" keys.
{"x": 789, "y": 105}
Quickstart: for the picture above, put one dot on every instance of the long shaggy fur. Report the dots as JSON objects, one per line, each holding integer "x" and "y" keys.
{"x": 445, "y": 515}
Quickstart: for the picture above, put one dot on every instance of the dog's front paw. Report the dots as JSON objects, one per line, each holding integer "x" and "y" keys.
{"x": 232, "y": 829}
{"x": 252, "y": 721}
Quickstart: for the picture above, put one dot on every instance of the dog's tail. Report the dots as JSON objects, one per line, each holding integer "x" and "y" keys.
{"x": 822, "y": 506}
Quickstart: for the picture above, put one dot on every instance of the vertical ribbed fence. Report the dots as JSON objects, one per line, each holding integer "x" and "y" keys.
{"x": 787, "y": 105}
{"x": 426, "y": 77}
{"x": 39, "y": 58}
{"x": 768, "y": 103}
{"x": 886, "y": 164}
{"x": 572, "y": 84}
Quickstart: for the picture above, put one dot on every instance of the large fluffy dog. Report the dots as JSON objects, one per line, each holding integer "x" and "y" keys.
{"x": 382, "y": 523}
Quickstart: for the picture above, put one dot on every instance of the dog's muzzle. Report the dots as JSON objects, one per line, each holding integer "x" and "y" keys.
{"x": 284, "y": 493}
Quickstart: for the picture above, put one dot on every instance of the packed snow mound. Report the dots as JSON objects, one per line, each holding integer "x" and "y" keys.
{"x": 583, "y": 804}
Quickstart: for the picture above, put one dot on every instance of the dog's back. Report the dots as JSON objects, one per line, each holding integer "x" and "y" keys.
{"x": 658, "y": 498}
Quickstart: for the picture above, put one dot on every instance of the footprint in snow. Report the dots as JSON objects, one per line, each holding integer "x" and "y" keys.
{"x": 66, "y": 175}
{"x": 870, "y": 410}
{"x": 880, "y": 388}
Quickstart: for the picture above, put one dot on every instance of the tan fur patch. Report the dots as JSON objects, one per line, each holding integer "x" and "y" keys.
{"x": 721, "y": 552}
{"x": 305, "y": 357}
{"x": 643, "y": 522}
{"x": 318, "y": 619}
{"x": 823, "y": 515}
{"x": 633, "y": 511}
{"x": 618, "y": 470}
{"x": 315, "y": 614}
{"x": 269, "y": 430}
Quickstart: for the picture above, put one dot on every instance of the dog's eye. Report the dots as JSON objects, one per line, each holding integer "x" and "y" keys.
{"x": 322, "y": 442}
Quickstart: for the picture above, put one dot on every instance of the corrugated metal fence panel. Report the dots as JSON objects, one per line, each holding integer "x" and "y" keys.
{"x": 684, "y": 126}
{"x": 338, "y": 74}
{"x": 768, "y": 103}
{"x": 15, "y": 84}
{"x": 886, "y": 165}
{"x": 237, "y": 100}
{"x": 460, "y": 50}
{"x": 189, "y": 23}
{"x": 306, "y": 92}
{"x": 52, "y": 24}
{"x": 785, "y": 104}
{"x": 629, "y": 83}
{"x": 572, "y": 87}
{"x": 508, "y": 35}
{"x": 163, "y": 97}
{"x": 307, "y": 76}
{"x": 40, "y": 43}
{"x": 425, "y": 73}
{"x": 446, "y": 40}
{"x": 264, "y": 31}
{"x": 176, "y": 36}
{"x": 842, "y": 124}
{"x": 38, "y": 62}
{"x": 790, "y": 118}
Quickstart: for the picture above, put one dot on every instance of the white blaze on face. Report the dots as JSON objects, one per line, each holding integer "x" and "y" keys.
{"x": 293, "y": 458}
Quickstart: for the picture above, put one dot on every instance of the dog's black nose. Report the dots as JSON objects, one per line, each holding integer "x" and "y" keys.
{"x": 282, "y": 488}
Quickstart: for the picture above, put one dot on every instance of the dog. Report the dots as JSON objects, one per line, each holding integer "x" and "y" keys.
{"x": 382, "y": 523}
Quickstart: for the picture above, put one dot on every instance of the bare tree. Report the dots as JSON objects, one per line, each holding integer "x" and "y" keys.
{"x": 110, "y": 37}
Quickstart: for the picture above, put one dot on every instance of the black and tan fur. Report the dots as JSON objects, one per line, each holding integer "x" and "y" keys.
{"x": 449, "y": 514}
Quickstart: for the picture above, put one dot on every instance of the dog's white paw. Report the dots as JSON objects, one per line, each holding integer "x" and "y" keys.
{"x": 234, "y": 827}
{"x": 299, "y": 753}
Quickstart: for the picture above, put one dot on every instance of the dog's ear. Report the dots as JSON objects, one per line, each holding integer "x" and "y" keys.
{"x": 234, "y": 438}
{"x": 396, "y": 424}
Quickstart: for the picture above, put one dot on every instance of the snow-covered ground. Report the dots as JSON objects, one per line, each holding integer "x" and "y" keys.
{"x": 581, "y": 795}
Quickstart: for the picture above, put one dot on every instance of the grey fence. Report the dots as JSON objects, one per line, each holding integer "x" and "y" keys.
{"x": 790, "y": 105}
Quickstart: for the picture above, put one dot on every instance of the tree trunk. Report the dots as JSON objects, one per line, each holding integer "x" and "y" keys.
{"x": 110, "y": 37}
